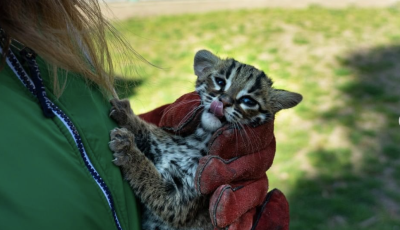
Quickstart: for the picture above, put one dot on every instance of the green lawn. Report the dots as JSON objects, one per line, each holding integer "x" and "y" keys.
{"x": 337, "y": 152}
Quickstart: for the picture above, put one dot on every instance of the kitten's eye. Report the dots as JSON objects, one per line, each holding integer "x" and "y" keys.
{"x": 248, "y": 101}
{"x": 221, "y": 82}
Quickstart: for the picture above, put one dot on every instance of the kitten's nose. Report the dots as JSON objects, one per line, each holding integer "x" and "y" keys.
{"x": 226, "y": 100}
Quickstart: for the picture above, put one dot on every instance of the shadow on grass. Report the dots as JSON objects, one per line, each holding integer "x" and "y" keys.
{"x": 357, "y": 184}
{"x": 126, "y": 87}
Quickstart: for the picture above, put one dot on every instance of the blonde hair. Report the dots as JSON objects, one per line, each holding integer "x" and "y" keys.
{"x": 68, "y": 34}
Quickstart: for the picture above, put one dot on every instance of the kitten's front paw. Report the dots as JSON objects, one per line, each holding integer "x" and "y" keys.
{"x": 122, "y": 143}
{"x": 120, "y": 109}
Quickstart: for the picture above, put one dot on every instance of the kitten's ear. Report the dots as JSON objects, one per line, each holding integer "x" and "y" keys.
{"x": 204, "y": 60}
{"x": 283, "y": 99}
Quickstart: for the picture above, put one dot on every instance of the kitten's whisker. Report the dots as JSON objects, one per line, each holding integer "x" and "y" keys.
{"x": 242, "y": 135}
{"x": 245, "y": 137}
{"x": 249, "y": 138}
{"x": 190, "y": 113}
{"x": 181, "y": 103}
{"x": 236, "y": 130}
{"x": 236, "y": 113}
{"x": 257, "y": 140}
{"x": 238, "y": 127}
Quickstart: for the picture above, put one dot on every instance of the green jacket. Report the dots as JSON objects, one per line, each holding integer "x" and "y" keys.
{"x": 44, "y": 181}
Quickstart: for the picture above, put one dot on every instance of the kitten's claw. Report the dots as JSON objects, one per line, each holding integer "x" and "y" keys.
{"x": 120, "y": 159}
{"x": 120, "y": 110}
{"x": 111, "y": 113}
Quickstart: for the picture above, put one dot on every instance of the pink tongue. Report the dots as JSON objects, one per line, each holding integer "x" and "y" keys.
{"x": 217, "y": 108}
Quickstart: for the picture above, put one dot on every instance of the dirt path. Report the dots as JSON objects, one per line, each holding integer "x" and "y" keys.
{"x": 124, "y": 10}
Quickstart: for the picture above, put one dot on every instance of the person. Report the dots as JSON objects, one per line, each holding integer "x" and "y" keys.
{"x": 56, "y": 169}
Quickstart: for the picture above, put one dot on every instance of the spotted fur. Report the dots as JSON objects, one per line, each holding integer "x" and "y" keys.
{"x": 160, "y": 167}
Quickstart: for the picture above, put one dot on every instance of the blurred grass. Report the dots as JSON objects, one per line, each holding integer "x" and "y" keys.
{"x": 338, "y": 152}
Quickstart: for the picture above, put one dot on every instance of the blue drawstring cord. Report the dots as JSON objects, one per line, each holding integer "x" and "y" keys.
{"x": 29, "y": 56}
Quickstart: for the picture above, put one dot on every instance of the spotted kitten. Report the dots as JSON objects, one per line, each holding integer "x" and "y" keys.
{"x": 161, "y": 167}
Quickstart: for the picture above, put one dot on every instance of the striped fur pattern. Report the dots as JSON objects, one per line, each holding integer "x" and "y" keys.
{"x": 160, "y": 167}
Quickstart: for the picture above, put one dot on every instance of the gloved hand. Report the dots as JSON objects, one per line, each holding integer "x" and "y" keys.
{"x": 234, "y": 170}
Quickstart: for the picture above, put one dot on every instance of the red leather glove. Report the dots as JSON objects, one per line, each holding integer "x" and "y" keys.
{"x": 234, "y": 170}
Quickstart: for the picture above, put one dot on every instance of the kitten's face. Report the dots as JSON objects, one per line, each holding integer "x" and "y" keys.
{"x": 237, "y": 93}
